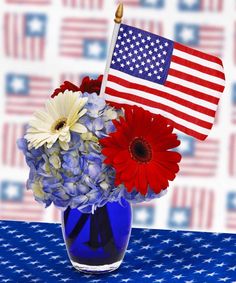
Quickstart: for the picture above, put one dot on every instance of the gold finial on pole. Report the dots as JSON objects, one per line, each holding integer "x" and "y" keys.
{"x": 119, "y": 14}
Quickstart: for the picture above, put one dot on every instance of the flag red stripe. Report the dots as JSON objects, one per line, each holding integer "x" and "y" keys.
{"x": 162, "y": 94}
{"x": 197, "y": 53}
{"x": 196, "y": 80}
{"x": 198, "y": 67}
{"x": 158, "y": 105}
{"x": 6, "y": 34}
{"x": 192, "y": 92}
{"x": 5, "y": 142}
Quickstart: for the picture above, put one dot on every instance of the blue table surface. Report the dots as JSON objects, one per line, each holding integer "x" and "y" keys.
{"x": 35, "y": 252}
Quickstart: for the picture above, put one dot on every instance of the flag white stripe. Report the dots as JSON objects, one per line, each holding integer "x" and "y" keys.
{"x": 161, "y": 100}
{"x": 194, "y": 86}
{"x": 198, "y": 60}
{"x": 173, "y": 79}
{"x": 177, "y": 93}
{"x": 196, "y": 73}
{"x": 158, "y": 111}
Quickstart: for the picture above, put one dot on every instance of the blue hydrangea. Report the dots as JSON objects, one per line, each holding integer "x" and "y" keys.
{"x": 78, "y": 177}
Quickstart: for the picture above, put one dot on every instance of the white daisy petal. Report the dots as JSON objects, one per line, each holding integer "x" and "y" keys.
{"x": 79, "y": 128}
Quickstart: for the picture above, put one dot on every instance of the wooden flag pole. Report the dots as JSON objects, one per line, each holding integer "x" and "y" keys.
{"x": 117, "y": 20}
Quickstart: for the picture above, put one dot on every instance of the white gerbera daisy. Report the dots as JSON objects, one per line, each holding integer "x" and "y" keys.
{"x": 61, "y": 116}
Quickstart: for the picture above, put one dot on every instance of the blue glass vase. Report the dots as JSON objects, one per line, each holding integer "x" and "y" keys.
{"x": 96, "y": 243}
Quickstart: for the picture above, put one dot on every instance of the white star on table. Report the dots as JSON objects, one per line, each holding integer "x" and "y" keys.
{"x": 18, "y": 84}
{"x": 167, "y": 241}
{"x": 220, "y": 264}
{"x": 211, "y": 274}
{"x": 228, "y": 239}
{"x": 12, "y": 192}
{"x": 35, "y": 25}
{"x": 170, "y": 270}
{"x": 190, "y": 3}
{"x": 233, "y": 268}
{"x": 137, "y": 270}
{"x": 224, "y": 279}
{"x": 216, "y": 250}
{"x": 179, "y": 217}
{"x": 187, "y": 34}
{"x": 95, "y": 49}
{"x": 208, "y": 260}
{"x": 187, "y": 266}
{"x": 148, "y": 276}
{"x": 200, "y": 271}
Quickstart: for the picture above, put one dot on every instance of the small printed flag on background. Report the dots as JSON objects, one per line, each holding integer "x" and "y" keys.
{"x": 144, "y": 3}
{"x": 17, "y": 203}
{"x": 25, "y": 35}
{"x": 191, "y": 208}
{"x": 234, "y": 41}
{"x": 84, "y": 4}
{"x": 29, "y": 2}
{"x": 25, "y": 94}
{"x": 148, "y": 25}
{"x": 199, "y": 159}
{"x": 231, "y": 210}
{"x": 143, "y": 214}
{"x": 201, "y": 5}
{"x": 11, "y": 155}
{"x": 154, "y": 73}
{"x": 76, "y": 78}
{"x": 233, "y": 100}
{"x": 209, "y": 39}
{"x": 232, "y": 155}
{"x": 84, "y": 38}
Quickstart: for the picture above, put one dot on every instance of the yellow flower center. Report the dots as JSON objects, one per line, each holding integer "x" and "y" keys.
{"x": 59, "y": 124}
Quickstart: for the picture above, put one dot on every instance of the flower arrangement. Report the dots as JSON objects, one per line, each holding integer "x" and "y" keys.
{"x": 83, "y": 153}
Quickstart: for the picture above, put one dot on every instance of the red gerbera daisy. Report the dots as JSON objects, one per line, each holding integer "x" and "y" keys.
{"x": 139, "y": 151}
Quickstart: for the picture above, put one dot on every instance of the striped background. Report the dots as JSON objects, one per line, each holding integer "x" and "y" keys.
{"x": 203, "y": 197}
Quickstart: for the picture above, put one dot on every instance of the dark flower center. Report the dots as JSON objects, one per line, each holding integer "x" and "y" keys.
{"x": 140, "y": 150}
{"x": 59, "y": 124}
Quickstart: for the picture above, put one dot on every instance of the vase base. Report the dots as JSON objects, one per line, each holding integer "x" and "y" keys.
{"x": 96, "y": 269}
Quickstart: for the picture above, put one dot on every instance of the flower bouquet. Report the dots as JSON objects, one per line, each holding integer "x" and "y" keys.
{"x": 92, "y": 160}
{"x": 97, "y": 148}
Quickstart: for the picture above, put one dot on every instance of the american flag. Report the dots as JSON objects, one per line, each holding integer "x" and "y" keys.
{"x": 26, "y": 93}
{"x": 29, "y": 2}
{"x": 233, "y": 100}
{"x": 191, "y": 208}
{"x": 148, "y": 25}
{"x": 232, "y": 155}
{"x": 199, "y": 159}
{"x": 201, "y": 5}
{"x": 154, "y": 73}
{"x": 17, "y": 203}
{"x": 231, "y": 210}
{"x": 206, "y": 38}
{"x": 84, "y": 4}
{"x": 11, "y": 155}
{"x": 24, "y": 35}
{"x": 144, "y": 3}
{"x": 143, "y": 214}
{"x": 85, "y": 38}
